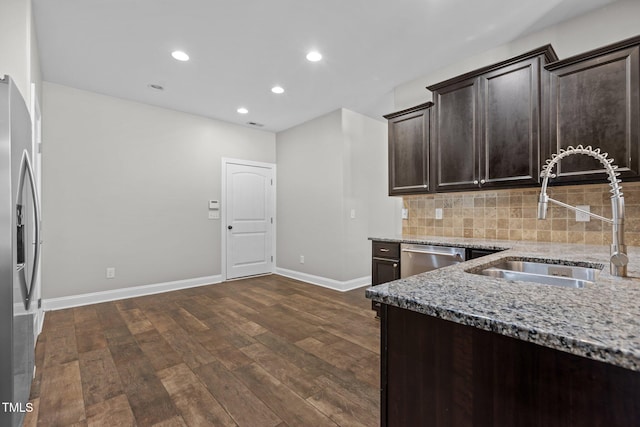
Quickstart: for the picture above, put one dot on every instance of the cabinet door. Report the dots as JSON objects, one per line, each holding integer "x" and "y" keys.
{"x": 385, "y": 270}
{"x": 511, "y": 127}
{"x": 409, "y": 152}
{"x": 455, "y": 142}
{"x": 594, "y": 101}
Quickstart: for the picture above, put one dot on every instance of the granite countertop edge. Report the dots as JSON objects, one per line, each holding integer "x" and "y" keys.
{"x": 584, "y": 324}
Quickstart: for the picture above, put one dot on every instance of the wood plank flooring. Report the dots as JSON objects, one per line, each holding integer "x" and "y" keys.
{"x": 265, "y": 351}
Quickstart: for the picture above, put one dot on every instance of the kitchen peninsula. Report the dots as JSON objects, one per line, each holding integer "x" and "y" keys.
{"x": 459, "y": 348}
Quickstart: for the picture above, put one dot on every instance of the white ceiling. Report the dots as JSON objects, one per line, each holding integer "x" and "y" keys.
{"x": 239, "y": 49}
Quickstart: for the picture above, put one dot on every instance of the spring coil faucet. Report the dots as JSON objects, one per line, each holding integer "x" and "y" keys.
{"x": 619, "y": 259}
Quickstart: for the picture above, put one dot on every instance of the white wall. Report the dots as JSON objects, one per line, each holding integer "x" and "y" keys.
{"x": 612, "y": 23}
{"x": 367, "y": 190}
{"x": 310, "y": 197}
{"x": 126, "y": 185}
{"x": 327, "y": 167}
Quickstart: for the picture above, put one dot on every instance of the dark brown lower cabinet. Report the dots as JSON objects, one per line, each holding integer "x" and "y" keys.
{"x": 385, "y": 270}
{"x": 385, "y": 266}
{"x": 440, "y": 373}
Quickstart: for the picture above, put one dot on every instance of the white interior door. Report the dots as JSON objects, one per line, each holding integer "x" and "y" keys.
{"x": 249, "y": 215}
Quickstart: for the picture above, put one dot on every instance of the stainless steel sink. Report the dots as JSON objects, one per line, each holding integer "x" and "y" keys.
{"x": 570, "y": 276}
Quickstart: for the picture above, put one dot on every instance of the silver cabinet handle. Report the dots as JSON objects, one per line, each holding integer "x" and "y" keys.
{"x": 482, "y": 181}
{"x": 395, "y": 265}
{"x": 27, "y": 170}
{"x": 384, "y": 250}
{"x": 475, "y": 182}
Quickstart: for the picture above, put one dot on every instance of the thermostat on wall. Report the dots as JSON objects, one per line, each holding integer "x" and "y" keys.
{"x": 214, "y": 204}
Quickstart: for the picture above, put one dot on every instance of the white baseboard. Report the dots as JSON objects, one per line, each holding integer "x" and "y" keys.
{"x": 325, "y": 282}
{"x": 116, "y": 294}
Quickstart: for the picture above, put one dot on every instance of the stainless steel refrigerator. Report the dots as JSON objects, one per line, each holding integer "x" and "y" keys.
{"x": 19, "y": 254}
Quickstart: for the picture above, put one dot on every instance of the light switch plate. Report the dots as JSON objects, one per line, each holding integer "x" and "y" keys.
{"x": 405, "y": 213}
{"x": 214, "y": 214}
{"x": 582, "y": 217}
{"x": 438, "y": 213}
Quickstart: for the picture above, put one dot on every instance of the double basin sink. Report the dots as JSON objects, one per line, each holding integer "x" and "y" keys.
{"x": 537, "y": 271}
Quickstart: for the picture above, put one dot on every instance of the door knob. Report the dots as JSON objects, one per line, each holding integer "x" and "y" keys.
{"x": 230, "y": 227}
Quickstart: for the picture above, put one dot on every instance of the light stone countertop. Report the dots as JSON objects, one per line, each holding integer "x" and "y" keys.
{"x": 600, "y": 321}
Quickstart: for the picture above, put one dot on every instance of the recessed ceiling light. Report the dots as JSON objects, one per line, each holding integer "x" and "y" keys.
{"x": 180, "y": 55}
{"x": 156, "y": 87}
{"x": 277, "y": 89}
{"x": 314, "y": 56}
{"x": 242, "y": 110}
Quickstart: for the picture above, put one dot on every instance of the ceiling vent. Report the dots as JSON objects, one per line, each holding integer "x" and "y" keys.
{"x": 255, "y": 124}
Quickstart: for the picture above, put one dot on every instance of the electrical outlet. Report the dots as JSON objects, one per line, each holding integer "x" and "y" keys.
{"x": 405, "y": 213}
{"x": 353, "y": 213}
{"x": 301, "y": 259}
{"x": 583, "y": 217}
{"x": 111, "y": 272}
{"x": 438, "y": 213}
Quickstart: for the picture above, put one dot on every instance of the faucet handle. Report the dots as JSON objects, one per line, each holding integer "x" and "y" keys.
{"x": 619, "y": 259}
{"x": 618, "y": 265}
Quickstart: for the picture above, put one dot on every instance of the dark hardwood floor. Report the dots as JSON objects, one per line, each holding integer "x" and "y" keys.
{"x": 264, "y": 351}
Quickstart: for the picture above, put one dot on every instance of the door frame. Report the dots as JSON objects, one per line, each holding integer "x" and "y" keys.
{"x": 36, "y": 154}
{"x": 223, "y": 210}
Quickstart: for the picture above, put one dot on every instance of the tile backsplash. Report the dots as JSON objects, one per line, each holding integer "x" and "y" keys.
{"x": 511, "y": 214}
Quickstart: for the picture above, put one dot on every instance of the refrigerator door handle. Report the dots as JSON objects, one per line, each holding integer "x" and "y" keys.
{"x": 27, "y": 170}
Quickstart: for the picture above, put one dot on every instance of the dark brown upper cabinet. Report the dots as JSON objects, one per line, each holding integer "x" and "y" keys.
{"x": 594, "y": 100}
{"x": 486, "y": 125}
{"x": 409, "y": 150}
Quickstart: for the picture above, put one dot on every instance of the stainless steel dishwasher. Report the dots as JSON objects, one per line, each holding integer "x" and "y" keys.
{"x": 415, "y": 259}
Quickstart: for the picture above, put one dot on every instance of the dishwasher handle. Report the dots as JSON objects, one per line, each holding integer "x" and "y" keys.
{"x": 422, "y": 251}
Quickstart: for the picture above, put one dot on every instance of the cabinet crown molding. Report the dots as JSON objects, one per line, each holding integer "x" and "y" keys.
{"x": 546, "y": 50}
{"x": 623, "y": 44}
{"x": 408, "y": 110}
